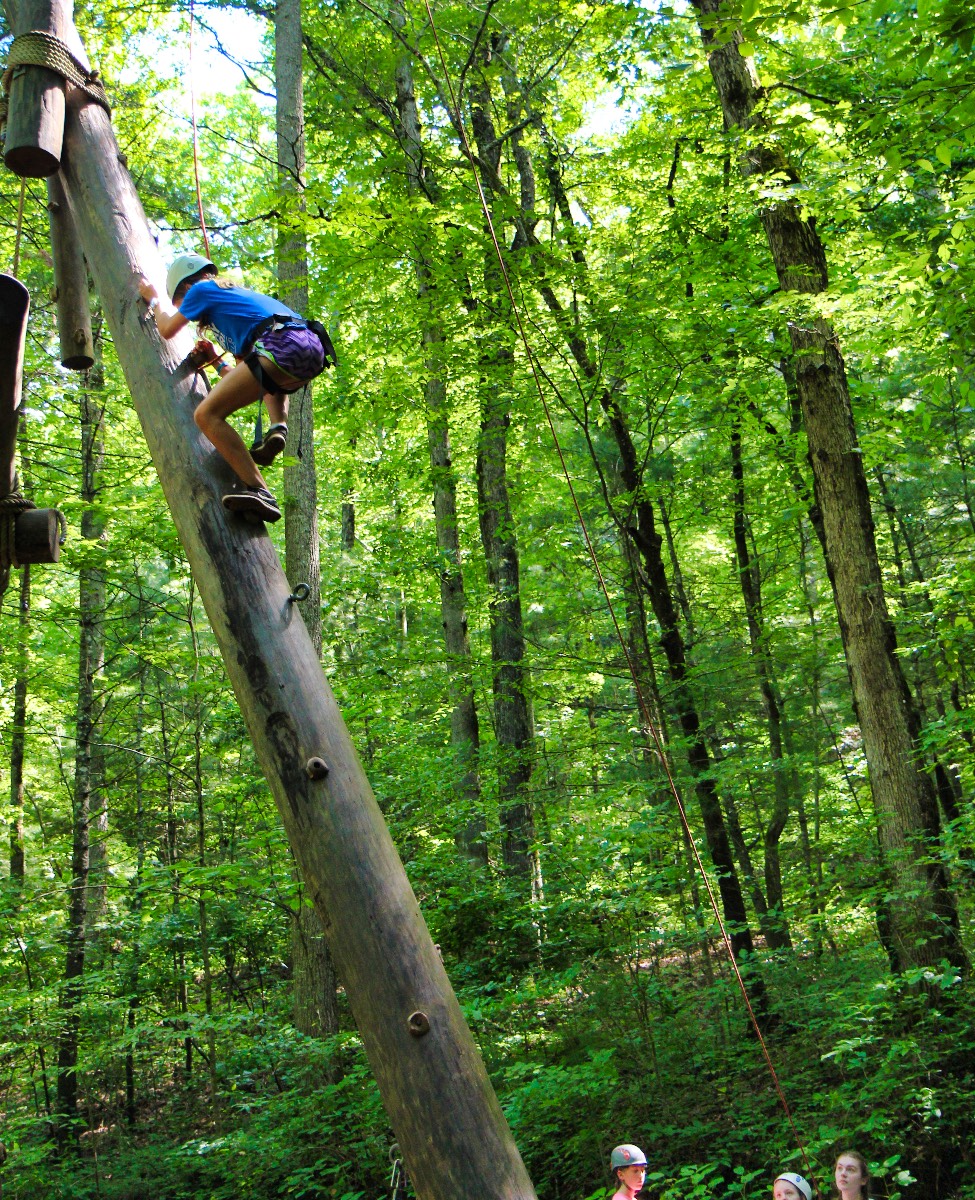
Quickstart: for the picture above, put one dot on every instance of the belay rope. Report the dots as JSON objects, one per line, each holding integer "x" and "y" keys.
{"x": 40, "y": 49}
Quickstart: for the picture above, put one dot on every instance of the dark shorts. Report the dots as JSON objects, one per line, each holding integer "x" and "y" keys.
{"x": 297, "y": 352}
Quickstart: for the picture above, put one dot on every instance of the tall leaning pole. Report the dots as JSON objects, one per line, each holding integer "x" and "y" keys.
{"x": 440, "y": 1102}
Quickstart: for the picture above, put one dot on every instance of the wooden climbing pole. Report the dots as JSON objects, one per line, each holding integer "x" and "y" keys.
{"x": 27, "y": 534}
{"x": 454, "y": 1138}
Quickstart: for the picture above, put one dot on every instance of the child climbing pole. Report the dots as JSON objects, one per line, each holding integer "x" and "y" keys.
{"x": 277, "y": 352}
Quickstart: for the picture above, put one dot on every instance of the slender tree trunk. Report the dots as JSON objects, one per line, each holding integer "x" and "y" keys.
{"x": 638, "y": 522}
{"x": 88, "y": 783}
{"x": 315, "y": 1007}
{"x": 92, "y": 591}
{"x": 172, "y": 852}
{"x": 947, "y": 778}
{"x": 72, "y": 989}
{"x": 777, "y": 926}
{"x": 132, "y": 982}
{"x": 513, "y": 725}
{"x": 18, "y": 732}
{"x": 18, "y": 727}
{"x": 923, "y": 916}
{"x": 464, "y": 728}
{"x": 201, "y": 857}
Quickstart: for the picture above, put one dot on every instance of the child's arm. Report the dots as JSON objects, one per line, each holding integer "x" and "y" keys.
{"x": 169, "y": 320}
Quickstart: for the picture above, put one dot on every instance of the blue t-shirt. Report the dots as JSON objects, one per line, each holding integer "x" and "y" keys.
{"x": 234, "y": 312}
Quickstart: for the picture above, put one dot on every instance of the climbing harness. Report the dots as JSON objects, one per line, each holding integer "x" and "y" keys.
{"x": 648, "y": 724}
{"x": 40, "y": 49}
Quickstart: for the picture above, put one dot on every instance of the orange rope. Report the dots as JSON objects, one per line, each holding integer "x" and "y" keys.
{"x": 641, "y": 700}
{"x": 196, "y": 156}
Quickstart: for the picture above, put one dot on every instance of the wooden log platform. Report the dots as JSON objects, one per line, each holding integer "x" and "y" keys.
{"x": 14, "y": 309}
{"x": 71, "y": 281}
{"x": 37, "y": 536}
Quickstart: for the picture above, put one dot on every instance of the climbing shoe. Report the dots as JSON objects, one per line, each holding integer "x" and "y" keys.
{"x": 254, "y": 504}
{"x": 265, "y": 452}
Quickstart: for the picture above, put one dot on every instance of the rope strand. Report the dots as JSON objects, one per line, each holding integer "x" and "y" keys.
{"x": 196, "y": 151}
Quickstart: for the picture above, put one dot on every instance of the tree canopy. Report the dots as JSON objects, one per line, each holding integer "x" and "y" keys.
{"x": 585, "y": 553}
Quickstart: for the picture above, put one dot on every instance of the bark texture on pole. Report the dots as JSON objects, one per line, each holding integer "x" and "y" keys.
{"x": 14, "y": 308}
{"x": 71, "y": 283}
{"x": 923, "y": 918}
{"x": 35, "y": 122}
{"x": 434, "y": 1085}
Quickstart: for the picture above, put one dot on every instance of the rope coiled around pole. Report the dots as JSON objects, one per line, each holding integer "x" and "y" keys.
{"x": 10, "y": 509}
{"x": 40, "y": 49}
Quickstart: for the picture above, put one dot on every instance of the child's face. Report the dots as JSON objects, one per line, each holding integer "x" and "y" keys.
{"x": 632, "y": 1177}
{"x": 785, "y": 1191}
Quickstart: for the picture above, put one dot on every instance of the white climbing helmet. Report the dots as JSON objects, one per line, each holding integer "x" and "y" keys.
{"x": 627, "y": 1156}
{"x": 182, "y": 268}
{"x": 801, "y": 1185}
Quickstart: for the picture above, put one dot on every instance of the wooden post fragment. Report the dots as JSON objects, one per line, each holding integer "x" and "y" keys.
{"x": 37, "y": 536}
{"x": 433, "y": 1082}
{"x": 14, "y": 308}
{"x": 35, "y": 121}
{"x": 71, "y": 282}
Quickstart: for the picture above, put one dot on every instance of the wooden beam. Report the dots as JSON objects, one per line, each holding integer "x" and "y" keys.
{"x": 37, "y": 536}
{"x": 35, "y": 120}
{"x": 440, "y": 1102}
{"x": 71, "y": 282}
{"x": 14, "y": 309}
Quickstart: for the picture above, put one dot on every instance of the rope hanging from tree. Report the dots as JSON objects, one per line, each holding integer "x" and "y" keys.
{"x": 10, "y": 509}
{"x": 40, "y": 49}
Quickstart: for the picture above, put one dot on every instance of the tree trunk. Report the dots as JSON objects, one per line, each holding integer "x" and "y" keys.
{"x": 464, "y": 728}
{"x": 637, "y": 522}
{"x": 429, "y": 1072}
{"x": 513, "y": 725}
{"x": 201, "y": 858}
{"x": 92, "y": 612}
{"x": 18, "y": 733}
{"x": 18, "y": 728}
{"x": 749, "y": 575}
{"x": 315, "y": 1008}
{"x": 136, "y": 886}
{"x": 923, "y": 919}
{"x": 171, "y": 854}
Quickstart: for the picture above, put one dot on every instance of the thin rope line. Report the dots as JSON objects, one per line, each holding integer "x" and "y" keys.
{"x": 641, "y": 700}
{"x": 196, "y": 156}
{"x": 20, "y": 226}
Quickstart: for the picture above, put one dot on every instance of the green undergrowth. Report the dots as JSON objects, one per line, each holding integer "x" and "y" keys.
{"x": 600, "y": 1052}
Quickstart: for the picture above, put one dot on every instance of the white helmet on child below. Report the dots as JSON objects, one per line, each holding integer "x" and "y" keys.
{"x": 801, "y": 1185}
{"x": 627, "y": 1156}
{"x": 182, "y": 268}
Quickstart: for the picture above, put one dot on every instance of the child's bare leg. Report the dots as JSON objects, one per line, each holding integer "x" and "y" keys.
{"x": 233, "y": 391}
{"x": 277, "y": 407}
